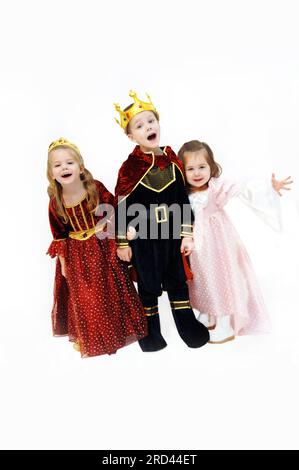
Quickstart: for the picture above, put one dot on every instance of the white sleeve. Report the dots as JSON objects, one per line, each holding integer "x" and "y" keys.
{"x": 260, "y": 196}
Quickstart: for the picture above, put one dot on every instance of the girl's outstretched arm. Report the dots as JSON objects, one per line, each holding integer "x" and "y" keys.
{"x": 278, "y": 185}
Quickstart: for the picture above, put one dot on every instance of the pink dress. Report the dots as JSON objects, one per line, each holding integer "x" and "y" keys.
{"x": 224, "y": 282}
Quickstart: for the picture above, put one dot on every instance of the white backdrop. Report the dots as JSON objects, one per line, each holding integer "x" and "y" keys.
{"x": 223, "y": 72}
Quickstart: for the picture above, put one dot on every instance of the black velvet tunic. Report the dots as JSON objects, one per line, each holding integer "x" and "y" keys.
{"x": 160, "y": 211}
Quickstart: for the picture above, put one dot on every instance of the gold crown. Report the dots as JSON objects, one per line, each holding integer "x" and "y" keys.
{"x": 65, "y": 143}
{"x": 137, "y": 107}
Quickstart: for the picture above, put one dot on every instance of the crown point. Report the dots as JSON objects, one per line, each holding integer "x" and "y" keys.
{"x": 137, "y": 107}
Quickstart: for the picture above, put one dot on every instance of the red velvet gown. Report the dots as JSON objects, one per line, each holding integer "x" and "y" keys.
{"x": 96, "y": 304}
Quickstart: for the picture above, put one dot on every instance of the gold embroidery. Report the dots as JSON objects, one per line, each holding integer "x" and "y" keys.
{"x": 85, "y": 234}
{"x": 93, "y": 222}
{"x": 76, "y": 203}
{"x": 77, "y": 221}
{"x": 180, "y": 304}
{"x": 150, "y": 311}
{"x": 151, "y": 166}
{"x": 84, "y": 216}
{"x": 181, "y": 308}
{"x": 186, "y": 234}
{"x": 157, "y": 180}
{"x": 72, "y": 224}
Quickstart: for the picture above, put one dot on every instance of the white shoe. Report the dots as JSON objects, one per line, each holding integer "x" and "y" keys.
{"x": 207, "y": 321}
{"x": 76, "y": 346}
{"x": 223, "y": 331}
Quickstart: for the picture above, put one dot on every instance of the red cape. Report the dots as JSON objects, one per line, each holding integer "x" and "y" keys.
{"x": 137, "y": 164}
{"x": 133, "y": 170}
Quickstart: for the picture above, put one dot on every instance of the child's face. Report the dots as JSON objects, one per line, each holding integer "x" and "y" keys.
{"x": 197, "y": 169}
{"x": 65, "y": 168}
{"x": 145, "y": 130}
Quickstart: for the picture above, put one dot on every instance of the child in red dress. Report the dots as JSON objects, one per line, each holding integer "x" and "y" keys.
{"x": 95, "y": 302}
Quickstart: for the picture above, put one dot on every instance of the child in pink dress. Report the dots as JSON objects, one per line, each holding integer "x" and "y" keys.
{"x": 224, "y": 286}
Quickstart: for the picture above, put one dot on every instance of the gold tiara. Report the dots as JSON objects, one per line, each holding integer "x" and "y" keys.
{"x": 65, "y": 143}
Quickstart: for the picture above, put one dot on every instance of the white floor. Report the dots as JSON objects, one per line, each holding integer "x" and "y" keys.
{"x": 240, "y": 395}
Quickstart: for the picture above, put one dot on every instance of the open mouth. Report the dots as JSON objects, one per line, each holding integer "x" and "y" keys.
{"x": 66, "y": 175}
{"x": 152, "y": 136}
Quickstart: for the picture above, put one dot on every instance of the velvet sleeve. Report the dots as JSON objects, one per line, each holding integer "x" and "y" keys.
{"x": 105, "y": 208}
{"x": 187, "y": 217}
{"x": 59, "y": 231}
{"x": 120, "y": 209}
{"x": 104, "y": 195}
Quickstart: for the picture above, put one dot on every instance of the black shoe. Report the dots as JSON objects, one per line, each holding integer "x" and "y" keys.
{"x": 154, "y": 341}
{"x": 192, "y": 332}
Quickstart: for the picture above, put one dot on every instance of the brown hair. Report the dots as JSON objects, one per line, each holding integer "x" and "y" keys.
{"x": 55, "y": 188}
{"x": 196, "y": 146}
{"x": 127, "y": 129}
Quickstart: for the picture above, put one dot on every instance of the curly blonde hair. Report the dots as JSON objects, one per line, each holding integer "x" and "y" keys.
{"x": 55, "y": 188}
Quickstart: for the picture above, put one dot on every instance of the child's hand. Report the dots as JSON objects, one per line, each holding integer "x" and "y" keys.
{"x": 131, "y": 233}
{"x": 62, "y": 264}
{"x": 280, "y": 184}
{"x": 125, "y": 254}
{"x": 187, "y": 245}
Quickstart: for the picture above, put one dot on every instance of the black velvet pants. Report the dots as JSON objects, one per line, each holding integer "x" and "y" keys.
{"x": 159, "y": 267}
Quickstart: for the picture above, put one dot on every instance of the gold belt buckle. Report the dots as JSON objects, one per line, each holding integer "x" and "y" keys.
{"x": 161, "y": 214}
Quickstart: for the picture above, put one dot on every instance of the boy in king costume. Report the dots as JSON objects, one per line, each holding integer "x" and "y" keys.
{"x": 151, "y": 182}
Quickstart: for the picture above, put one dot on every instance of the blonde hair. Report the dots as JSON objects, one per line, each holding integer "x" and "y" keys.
{"x": 55, "y": 188}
